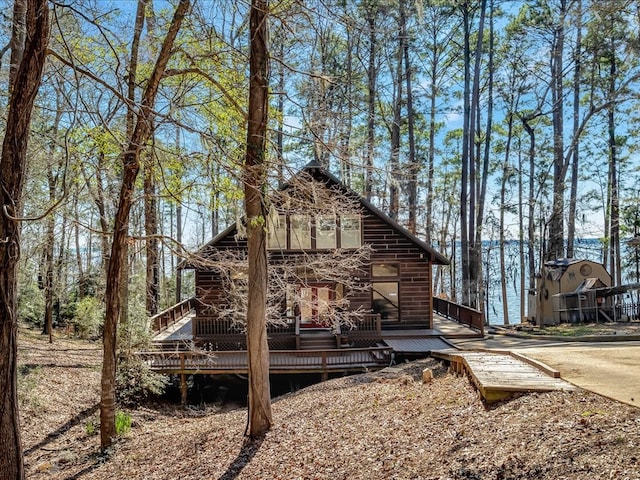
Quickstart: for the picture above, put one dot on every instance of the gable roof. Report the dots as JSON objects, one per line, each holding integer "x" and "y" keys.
{"x": 316, "y": 170}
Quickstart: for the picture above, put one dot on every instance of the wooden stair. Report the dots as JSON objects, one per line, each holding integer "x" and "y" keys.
{"x": 317, "y": 339}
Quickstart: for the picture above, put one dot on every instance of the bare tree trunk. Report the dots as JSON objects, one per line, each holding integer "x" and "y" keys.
{"x": 503, "y": 189}
{"x": 117, "y": 262}
{"x": 151, "y": 242}
{"x": 464, "y": 167}
{"x": 475, "y": 193}
{"x": 179, "y": 240}
{"x": 531, "y": 203}
{"x": 573, "y": 199}
{"x": 394, "y": 160}
{"x": 260, "y": 418}
{"x": 12, "y": 170}
{"x": 19, "y": 30}
{"x": 556, "y": 224}
{"x": 280, "y": 109}
{"x": 414, "y": 166}
{"x": 614, "y": 212}
{"x": 371, "y": 98}
{"x": 52, "y": 181}
{"x": 433, "y": 92}
{"x": 523, "y": 290}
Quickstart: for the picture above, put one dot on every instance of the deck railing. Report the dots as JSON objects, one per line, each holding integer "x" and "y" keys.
{"x": 171, "y": 315}
{"x": 369, "y": 324}
{"x": 280, "y": 360}
{"x": 205, "y": 327}
{"x": 460, "y": 313}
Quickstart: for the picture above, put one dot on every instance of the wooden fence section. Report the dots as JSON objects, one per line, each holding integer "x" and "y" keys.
{"x": 460, "y": 313}
{"x": 171, "y": 315}
{"x": 281, "y": 361}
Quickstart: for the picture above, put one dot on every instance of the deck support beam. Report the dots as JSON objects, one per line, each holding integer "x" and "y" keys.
{"x": 183, "y": 389}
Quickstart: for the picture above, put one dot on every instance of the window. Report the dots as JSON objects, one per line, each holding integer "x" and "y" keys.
{"x": 386, "y": 300}
{"x": 277, "y": 238}
{"x": 385, "y": 294}
{"x": 300, "y": 232}
{"x": 384, "y": 270}
{"x": 325, "y": 232}
{"x": 350, "y": 231}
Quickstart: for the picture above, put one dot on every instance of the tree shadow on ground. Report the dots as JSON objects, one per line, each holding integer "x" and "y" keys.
{"x": 249, "y": 448}
{"x": 51, "y": 436}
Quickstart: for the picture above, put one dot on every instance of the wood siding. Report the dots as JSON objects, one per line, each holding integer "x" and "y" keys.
{"x": 390, "y": 244}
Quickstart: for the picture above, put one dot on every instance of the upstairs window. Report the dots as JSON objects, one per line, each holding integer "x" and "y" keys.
{"x": 277, "y": 238}
{"x": 325, "y": 232}
{"x": 350, "y": 231}
{"x": 300, "y": 232}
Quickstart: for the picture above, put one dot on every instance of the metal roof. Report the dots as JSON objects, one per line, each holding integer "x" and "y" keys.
{"x": 416, "y": 345}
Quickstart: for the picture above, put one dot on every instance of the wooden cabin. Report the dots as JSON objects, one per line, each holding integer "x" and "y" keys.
{"x": 397, "y": 274}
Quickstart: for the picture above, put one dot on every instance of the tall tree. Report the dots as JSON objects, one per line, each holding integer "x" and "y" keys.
{"x": 131, "y": 166}
{"x": 371, "y": 7}
{"x": 254, "y": 177}
{"x": 556, "y": 223}
{"x": 575, "y": 159}
{"x": 23, "y": 90}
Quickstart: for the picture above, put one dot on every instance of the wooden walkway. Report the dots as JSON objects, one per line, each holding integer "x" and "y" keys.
{"x": 498, "y": 375}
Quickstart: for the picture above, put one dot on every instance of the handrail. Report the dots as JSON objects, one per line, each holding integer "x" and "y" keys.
{"x": 371, "y": 322}
{"x": 460, "y": 313}
{"x": 171, "y": 315}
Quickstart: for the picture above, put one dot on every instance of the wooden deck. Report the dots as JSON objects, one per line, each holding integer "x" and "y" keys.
{"x": 288, "y": 361}
{"x": 498, "y": 375}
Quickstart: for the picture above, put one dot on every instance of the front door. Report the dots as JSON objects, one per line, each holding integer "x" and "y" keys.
{"x": 315, "y": 300}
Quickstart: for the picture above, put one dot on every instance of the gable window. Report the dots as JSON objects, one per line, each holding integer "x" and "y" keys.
{"x": 325, "y": 232}
{"x": 350, "y": 231}
{"x": 277, "y": 238}
{"x": 300, "y": 232}
{"x": 385, "y": 290}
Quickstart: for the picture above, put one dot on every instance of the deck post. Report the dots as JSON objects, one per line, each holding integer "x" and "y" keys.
{"x": 325, "y": 372}
{"x": 183, "y": 389}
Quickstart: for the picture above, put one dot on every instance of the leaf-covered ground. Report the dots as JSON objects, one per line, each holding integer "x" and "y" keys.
{"x": 385, "y": 425}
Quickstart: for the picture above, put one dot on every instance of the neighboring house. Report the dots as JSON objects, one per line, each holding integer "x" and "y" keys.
{"x": 397, "y": 275}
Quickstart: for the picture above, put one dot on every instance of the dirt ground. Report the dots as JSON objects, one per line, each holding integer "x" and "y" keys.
{"x": 369, "y": 426}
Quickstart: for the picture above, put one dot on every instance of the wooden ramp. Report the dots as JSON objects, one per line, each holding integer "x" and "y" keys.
{"x": 498, "y": 375}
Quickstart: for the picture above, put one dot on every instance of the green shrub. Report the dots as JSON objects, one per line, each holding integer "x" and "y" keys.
{"x": 135, "y": 382}
{"x": 30, "y": 303}
{"x": 88, "y": 318}
{"x": 123, "y": 423}
{"x": 90, "y": 427}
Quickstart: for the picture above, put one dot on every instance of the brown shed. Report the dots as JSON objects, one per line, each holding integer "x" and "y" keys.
{"x": 562, "y": 283}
